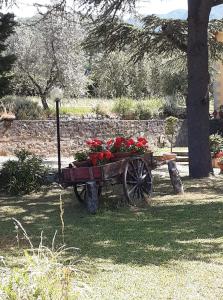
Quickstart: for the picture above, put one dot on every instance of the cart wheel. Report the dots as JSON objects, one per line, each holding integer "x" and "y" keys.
{"x": 137, "y": 181}
{"x": 80, "y": 191}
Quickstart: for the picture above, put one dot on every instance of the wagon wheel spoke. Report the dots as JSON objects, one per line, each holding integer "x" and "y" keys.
{"x": 141, "y": 168}
{"x": 137, "y": 182}
{"x": 131, "y": 182}
{"x": 132, "y": 190}
{"x": 130, "y": 174}
{"x": 134, "y": 168}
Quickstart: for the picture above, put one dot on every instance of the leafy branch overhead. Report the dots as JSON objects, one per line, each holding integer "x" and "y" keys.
{"x": 154, "y": 36}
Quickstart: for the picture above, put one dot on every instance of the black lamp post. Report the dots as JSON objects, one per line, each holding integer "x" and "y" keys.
{"x": 57, "y": 94}
{"x": 57, "y": 100}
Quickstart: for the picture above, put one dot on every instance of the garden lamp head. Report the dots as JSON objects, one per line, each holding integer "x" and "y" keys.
{"x": 56, "y": 93}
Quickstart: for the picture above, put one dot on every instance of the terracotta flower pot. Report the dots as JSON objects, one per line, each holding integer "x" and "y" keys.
{"x": 221, "y": 166}
{"x": 215, "y": 162}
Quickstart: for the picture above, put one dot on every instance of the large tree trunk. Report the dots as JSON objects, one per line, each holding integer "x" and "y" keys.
{"x": 198, "y": 80}
{"x": 44, "y": 101}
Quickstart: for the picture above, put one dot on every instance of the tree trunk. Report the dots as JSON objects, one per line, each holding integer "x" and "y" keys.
{"x": 44, "y": 101}
{"x": 198, "y": 81}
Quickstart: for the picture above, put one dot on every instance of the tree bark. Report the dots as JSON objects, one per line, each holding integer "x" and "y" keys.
{"x": 44, "y": 101}
{"x": 198, "y": 81}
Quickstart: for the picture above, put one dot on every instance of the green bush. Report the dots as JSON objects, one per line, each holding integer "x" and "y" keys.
{"x": 24, "y": 175}
{"x": 174, "y": 111}
{"x": 101, "y": 110}
{"x": 171, "y": 129}
{"x": 216, "y": 143}
{"x": 143, "y": 111}
{"x": 23, "y": 109}
{"x": 124, "y": 107}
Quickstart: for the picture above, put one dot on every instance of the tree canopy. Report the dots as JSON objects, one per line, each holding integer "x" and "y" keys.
{"x": 49, "y": 54}
{"x": 7, "y": 25}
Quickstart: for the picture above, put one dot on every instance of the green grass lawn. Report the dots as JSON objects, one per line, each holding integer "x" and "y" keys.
{"x": 172, "y": 249}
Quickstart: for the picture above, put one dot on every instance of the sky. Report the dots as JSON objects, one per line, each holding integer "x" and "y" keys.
{"x": 25, "y": 7}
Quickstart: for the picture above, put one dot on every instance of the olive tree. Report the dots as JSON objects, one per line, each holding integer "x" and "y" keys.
{"x": 49, "y": 54}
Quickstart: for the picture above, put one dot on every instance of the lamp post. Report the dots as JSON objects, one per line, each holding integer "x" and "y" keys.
{"x": 57, "y": 95}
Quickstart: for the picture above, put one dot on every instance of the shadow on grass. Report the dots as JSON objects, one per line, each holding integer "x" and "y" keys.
{"x": 154, "y": 235}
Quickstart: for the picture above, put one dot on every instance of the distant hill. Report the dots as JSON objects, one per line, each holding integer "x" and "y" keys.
{"x": 216, "y": 13}
{"x": 175, "y": 14}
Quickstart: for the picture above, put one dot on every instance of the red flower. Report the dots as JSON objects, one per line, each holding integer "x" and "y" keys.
{"x": 139, "y": 145}
{"x": 100, "y": 156}
{"x": 110, "y": 142}
{"x": 108, "y": 155}
{"x": 119, "y": 140}
{"x": 142, "y": 140}
{"x": 97, "y": 142}
{"x": 93, "y": 158}
{"x": 89, "y": 142}
{"x": 219, "y": 154}
{"x": 130, "y": 142}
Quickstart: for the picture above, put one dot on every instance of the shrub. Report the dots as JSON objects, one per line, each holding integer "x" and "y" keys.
{"x": 23, "y": 109}
{"x": 81, "y": 156}
{"x": 24, "y": 175}
{"x": 143, "y": 111}
{"x": 171, "y": 129}
{"x": 101, "y": 110}
{"x": 174, "y": 111}
{"x": 124, "y": 107}
{"x": 216, "y": 143}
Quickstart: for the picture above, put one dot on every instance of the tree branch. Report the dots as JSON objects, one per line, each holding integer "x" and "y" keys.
{"x": 217, "y": 2}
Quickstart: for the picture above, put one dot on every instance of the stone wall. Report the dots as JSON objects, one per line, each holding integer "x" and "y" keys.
{"x": 40, "y": 136}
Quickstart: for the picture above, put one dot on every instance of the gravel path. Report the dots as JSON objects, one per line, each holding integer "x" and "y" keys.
{"x": 162, "y": 171}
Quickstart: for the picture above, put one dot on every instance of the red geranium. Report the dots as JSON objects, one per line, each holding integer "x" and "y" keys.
{"x": 93, "y": 158}
{"x": 142, "y": 140}
{"x": 100, "y": 156}
{"x": 95, "y": 145}
{"x": 219, "y": 154}
{"x": 110, "y": 142}
{"x": 108, "y": 155}
{"x": 130, "y": 142}
{"x": 139, "y": 145}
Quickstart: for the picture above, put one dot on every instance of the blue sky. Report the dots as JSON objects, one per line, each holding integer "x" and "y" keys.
{"x": 26, "y": 9}
{"x": 160, "y": 7}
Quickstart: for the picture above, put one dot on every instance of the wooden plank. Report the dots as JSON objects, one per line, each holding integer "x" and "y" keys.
{"x": 92, "y": 196}
{"x": 175, "y": 177}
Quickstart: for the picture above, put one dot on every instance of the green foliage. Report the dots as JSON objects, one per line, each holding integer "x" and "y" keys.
{"x": 114, "y": 76}
{"x": 45, "y": 61}
{"x": 171, "y": 109}
{"x": 171, "y": 125}
{"x": 80, "y": 156}
{"x": 24, "y": 175}
{"x": 216, "y": 143}
{"x": 171, "y": 129}
{"x": 101, "y": 110}
{"x": 124, "y": 107}
{"x": 7, "y": 25}
{"x": 23, "y": 108}
{"x": 143, "y": 111}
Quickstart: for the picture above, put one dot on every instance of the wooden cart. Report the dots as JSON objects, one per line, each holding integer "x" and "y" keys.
{"x": 133, "y": 172}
